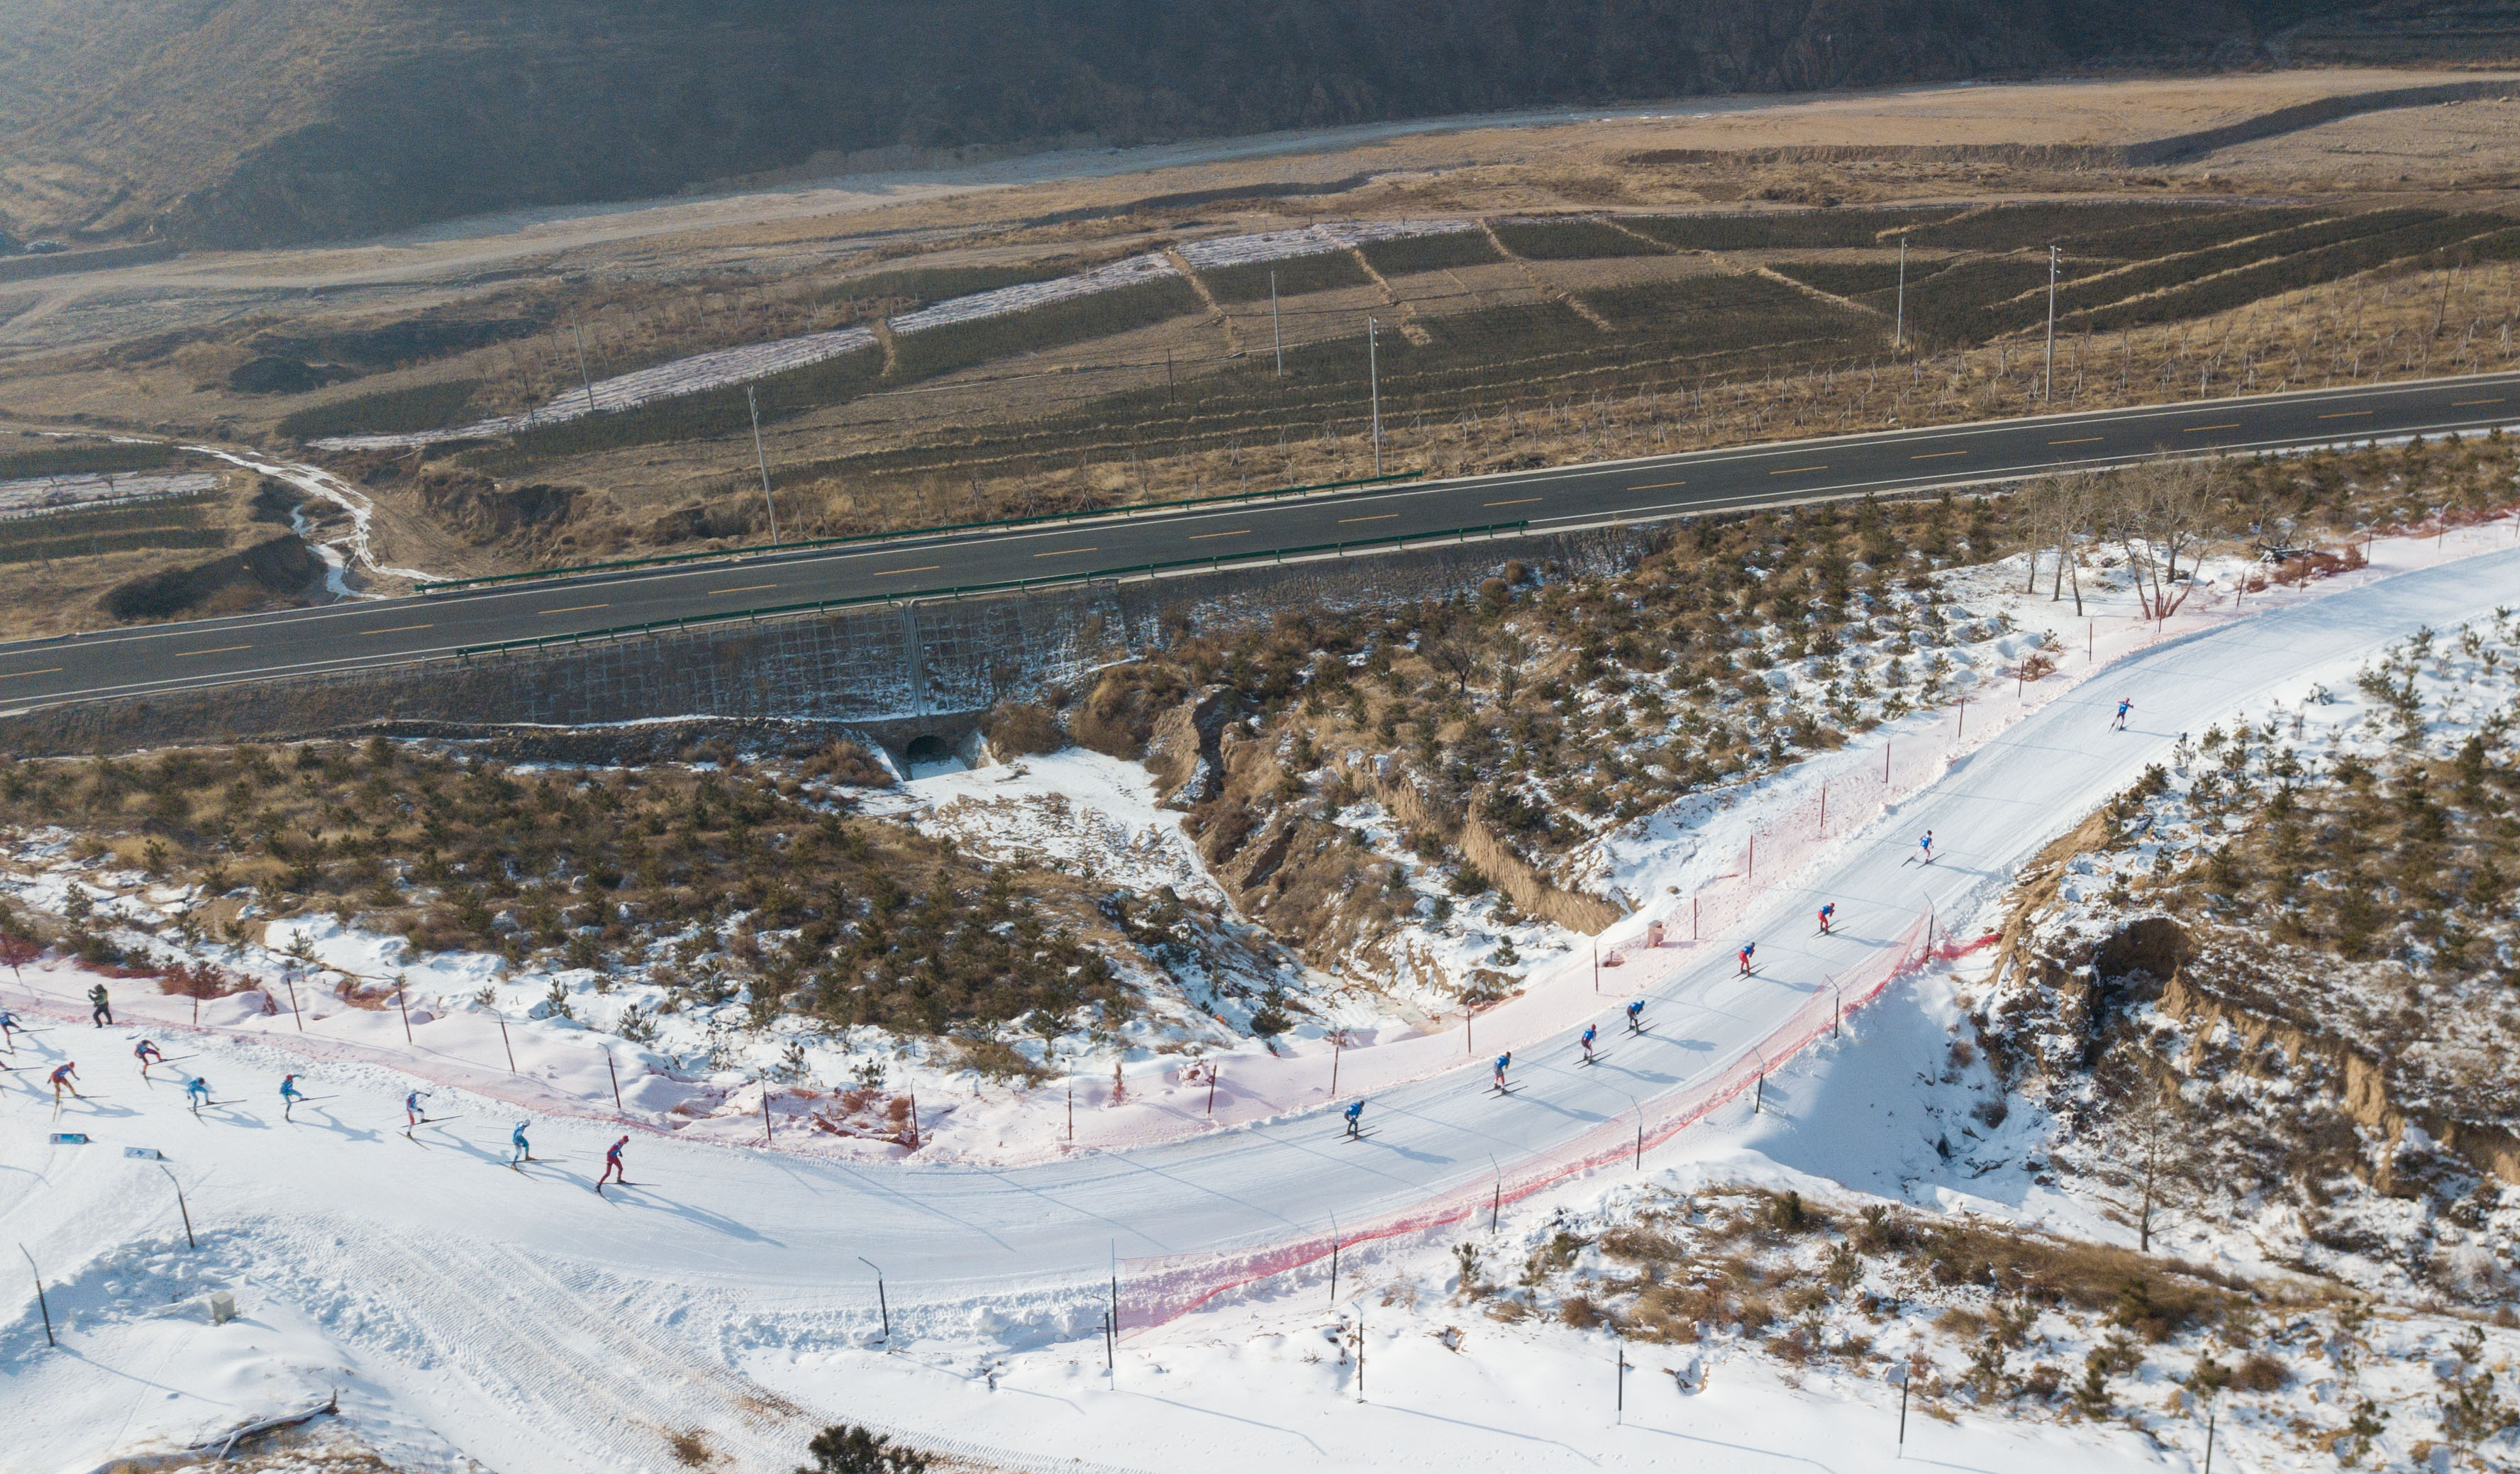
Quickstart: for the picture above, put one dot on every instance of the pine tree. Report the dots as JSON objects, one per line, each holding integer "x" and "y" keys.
{"x": 850, "y": 1450}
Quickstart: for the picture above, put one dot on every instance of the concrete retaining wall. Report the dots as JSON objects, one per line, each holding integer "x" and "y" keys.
{"x": 893, "y": 673}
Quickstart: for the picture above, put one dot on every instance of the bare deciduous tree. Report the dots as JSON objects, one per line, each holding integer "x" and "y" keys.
{"x": 2152, "y": 1166}
{"x": 2157, "y": 514}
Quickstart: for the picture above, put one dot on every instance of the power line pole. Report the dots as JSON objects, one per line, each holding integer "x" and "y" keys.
{"x": 762, "y": 460}
{"x": 2049, "y": 393}
{"x": 1899, "y": 324}
{"x": 1373, "y": 376}
{"x": 1277, "y": 338}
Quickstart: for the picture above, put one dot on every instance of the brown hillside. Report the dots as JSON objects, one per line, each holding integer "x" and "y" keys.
{"x": 249, "y": 122}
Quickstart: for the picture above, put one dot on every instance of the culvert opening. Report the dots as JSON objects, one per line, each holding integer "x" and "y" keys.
{"x": 928, "y": 755}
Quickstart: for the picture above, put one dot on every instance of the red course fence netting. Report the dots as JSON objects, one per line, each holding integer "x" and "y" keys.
{"x": 1157, "y": 1290}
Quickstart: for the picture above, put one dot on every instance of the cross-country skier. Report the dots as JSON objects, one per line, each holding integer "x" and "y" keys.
{"x": 1926, "y": 845}
{"x": 9, "y": 1029}
{"x": 2124, "y": 706}
{"x": 525, "y": 1153}
{"x": 198, "y": 1091}
{"x": 104, "y": 1012}
{"x": 1635, "y": 1016}
{"x": 1502, "y": 1060}
{"x": 412, "y": 1110}
{"x": 147, "y": 1053}
{"x": 1590, "y": 1032}
{"x": 612, "y": 1165}
{"x": 289, "y": 1097}
{"x": 63, "y": 1074}
{"x": 1748, "y": 951}
{"x": 1356, "y": 1116}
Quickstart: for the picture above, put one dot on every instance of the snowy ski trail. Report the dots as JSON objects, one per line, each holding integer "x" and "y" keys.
{"x": 560, "y": 1308}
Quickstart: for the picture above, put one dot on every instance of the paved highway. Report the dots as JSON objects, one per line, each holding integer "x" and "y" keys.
{"x": 382, "y": 632}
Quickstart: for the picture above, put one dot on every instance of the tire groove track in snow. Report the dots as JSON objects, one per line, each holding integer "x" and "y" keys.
{"x": 544, "y": 1353}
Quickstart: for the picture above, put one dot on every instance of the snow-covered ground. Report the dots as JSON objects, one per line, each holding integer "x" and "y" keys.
{"x": 41, "y": 496}
{"x": 533, "y": 1328}
{"x": 468, "y": 1320}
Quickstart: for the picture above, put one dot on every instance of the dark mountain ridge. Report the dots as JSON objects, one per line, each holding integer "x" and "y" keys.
{"x": 247, "y": 122}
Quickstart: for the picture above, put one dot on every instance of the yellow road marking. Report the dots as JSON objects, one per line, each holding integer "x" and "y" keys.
{"x": 2086, "y": 440}
{"x": 1200, "y": 537}
{"x": 1065, "y": 552}
{"x": 1519, "y": 501}
{"x": 1656, "y": 485}
{"x": 221, "y": 651}
{"x": 1380, "y": 516}
{"x": 1796, "y": 470}
{"x": 49, "y": 670}
{"x": 2344, "y": 413}
{"x": 1938, "y": 454}
{"x": 921, "y": 568}
{"x": 2198, "y": 430}
{"x": 2459, "y": 404}
{"x": 746, "y": 588}
{"x": 398, "y": 629}
{"x": 577, "y": 609}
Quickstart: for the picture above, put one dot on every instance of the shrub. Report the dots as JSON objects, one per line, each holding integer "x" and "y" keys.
{"x": 926, "y": 285}
{"x": 388, "y": 412}
{"x": 1728, "y": 312}
{"x": 688, "y": 416}
{"x": 2016, "y": 227}
{"x": 1783, "y": 229}
{"x": 174, "y": 522}
{"x": 848, "y": 1449}
{"x": 851, "y": 764}
{"x": 958, "y": 345}
{"x": 83, "y": 460}
{"x": 1573, "y": 241}
{"x": 1439, "y": 252}
{"x": 1019, "y": 729}
{"x": 1249, "y": 282}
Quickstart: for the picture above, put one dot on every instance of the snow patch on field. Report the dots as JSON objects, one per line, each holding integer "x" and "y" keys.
{"x": 753, "y": 361}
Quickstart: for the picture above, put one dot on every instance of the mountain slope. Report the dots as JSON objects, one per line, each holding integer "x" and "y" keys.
{"x": 260, "y": 121}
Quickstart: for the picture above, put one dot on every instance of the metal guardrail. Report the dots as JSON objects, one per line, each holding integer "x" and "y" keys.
{"x": 733, "y": 555}
{"x": 959, "y": 590}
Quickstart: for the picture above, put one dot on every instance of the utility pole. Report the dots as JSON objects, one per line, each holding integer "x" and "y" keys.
{"x": 2048, "y": 393}
{"x": 1373, "y": 376}
{"x": 761, "y": 460}
{"x": 580, "y": 335}
{"x": 1899, "y": 324}
{"x": 1277, "y": 338}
